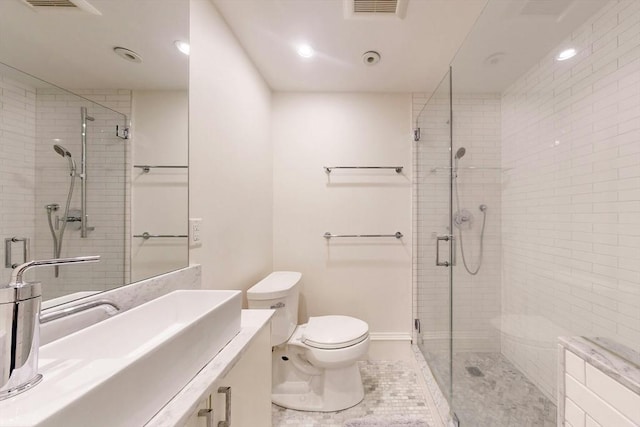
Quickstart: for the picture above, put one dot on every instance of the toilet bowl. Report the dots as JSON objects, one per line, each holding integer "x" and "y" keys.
{"x": 314, "y": 364}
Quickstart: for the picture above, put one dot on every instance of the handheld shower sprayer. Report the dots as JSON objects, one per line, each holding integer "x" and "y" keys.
{"x": 67, "y": 154}
{"x": 53, "y": 207}
{"x": 464, "y": 217}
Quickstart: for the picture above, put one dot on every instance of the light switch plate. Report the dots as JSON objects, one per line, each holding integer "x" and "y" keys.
{"x": 195, "y": 230}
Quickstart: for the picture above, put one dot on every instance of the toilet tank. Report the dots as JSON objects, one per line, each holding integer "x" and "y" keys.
{"x": 278, "y": 291}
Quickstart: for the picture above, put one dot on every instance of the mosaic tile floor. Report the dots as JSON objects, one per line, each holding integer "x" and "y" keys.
{"x": 497, "y": 394}
{"x": 391, "y": 389}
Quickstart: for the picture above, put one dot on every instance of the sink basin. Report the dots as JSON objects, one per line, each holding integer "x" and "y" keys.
{"x": 121, "y": 371}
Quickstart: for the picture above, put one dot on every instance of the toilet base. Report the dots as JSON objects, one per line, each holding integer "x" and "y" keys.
{"x": 299, "y": 385}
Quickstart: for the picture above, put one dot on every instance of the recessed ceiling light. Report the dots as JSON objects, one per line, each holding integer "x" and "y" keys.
{"x": 183, "y": 46}
{"x": 566, "y": 54}
{"x": 305, "y": 50}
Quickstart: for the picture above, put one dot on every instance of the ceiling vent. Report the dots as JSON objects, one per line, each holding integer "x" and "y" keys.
{"x": 375, "y": 8}
{"x": 62, "y": 6}
{"x": 50, "y": 3}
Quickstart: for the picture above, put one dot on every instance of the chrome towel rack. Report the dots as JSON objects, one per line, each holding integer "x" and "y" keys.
{"x": 147, "y": 235}
{"x": 147, "y": 168}
{"x": 398, "y": 169}
{"x": 328, "y": 235}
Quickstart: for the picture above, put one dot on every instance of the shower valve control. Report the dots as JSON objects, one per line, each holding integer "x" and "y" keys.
{"x": 195, "y": 226}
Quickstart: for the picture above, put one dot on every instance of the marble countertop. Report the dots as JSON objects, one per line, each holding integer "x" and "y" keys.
{"x": 605, "y": 355}
{"x": 185, "y": 403}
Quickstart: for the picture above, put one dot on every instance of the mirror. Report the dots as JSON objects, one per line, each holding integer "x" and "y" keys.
{"x": 101, "y": 166}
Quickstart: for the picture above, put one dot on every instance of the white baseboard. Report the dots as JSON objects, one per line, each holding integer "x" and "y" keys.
{"x": 389, "y": 346}
{"x": 389, "y": 336}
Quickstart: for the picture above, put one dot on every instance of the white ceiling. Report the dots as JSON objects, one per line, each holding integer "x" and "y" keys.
{"x": 415, "y": 51}
{"x": 516, "y": 34}
{"x": 74, "y": 49}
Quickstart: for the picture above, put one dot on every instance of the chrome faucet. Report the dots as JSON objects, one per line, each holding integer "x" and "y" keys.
{"x": 20, "y": 327}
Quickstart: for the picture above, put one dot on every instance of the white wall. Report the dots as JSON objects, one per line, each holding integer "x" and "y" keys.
{"x": 571, "y": 195}
{"x": 160, "y": 124}
{"x": 17, "y": 171}
{"x": 230, "y": 156}
{"x": 366, "y": 278}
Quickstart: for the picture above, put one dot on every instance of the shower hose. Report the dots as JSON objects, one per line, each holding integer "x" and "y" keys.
{"x": 483, "y": 209}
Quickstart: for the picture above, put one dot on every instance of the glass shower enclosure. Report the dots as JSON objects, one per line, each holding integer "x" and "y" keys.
{"x": 527, "y": 214}
{"x": 434, "y": 248}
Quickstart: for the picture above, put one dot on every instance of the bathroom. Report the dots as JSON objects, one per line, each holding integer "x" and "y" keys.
{"x": 550, "y": 148}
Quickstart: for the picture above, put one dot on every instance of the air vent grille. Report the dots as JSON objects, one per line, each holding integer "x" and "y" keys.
{"x": 51, "y": 3}
{"x": 61, "y": 6}
{"x": 375, "y": 9}
{"x": 375, "y": 6}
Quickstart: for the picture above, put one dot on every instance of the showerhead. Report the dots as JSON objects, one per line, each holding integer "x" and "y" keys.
{"x": 61, "y": 150}
{"x": 66, "y": 153}
{"x": 460, "y": 153}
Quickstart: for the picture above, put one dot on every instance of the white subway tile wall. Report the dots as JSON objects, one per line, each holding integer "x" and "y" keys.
{"x": 571, "y": 195}
{"x": 17, "y": 165}
{"x": 476, "y": 298}
{"x": 58, "y": 122}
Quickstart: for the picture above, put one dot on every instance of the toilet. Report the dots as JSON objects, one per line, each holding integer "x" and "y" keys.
{"x": 314, "y": 364}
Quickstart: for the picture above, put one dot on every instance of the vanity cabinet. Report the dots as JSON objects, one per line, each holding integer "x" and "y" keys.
{"x": 250, "y": 383}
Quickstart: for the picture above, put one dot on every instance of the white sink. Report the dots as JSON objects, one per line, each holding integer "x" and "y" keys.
{"x": 121, "y": 371}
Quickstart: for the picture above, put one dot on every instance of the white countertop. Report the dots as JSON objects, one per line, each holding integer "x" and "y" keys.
{"x": 185, "y": 403}
{"x": 613, "y": 359}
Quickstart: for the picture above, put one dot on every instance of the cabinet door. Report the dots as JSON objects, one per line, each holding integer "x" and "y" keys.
{"x": 250, "y": 382}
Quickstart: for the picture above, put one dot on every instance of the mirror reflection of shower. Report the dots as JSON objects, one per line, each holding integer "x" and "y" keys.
{"x": 463, "y": 218}
{"x": 57, "y": 232}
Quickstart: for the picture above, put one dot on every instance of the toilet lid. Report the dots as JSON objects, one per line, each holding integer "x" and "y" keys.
{"x": 332, "y": 332}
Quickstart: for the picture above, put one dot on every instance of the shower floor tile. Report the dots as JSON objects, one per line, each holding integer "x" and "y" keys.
{"x": 391, "y": 389}
{"x": 489, "y": 391}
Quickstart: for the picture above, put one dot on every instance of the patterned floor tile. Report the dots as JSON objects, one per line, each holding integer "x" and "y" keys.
{"x": 391, "y": 389}
{"x": 488, "y": 391}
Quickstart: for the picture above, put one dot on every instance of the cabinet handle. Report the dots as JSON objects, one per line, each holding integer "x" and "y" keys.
{"x": 208, "y": 415}
{"x": 227, "y": 406}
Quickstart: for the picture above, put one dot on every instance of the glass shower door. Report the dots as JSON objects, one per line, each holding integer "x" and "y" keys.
{"x": 435, "y": 245}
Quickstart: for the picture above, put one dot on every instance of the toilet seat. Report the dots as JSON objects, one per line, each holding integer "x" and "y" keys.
{"x": 334, "y": 332}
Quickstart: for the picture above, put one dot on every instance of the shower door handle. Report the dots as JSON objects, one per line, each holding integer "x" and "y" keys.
{"x": 446, "y": 238}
